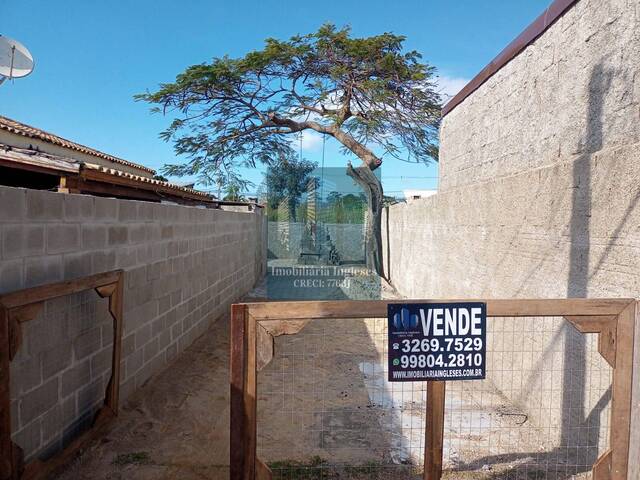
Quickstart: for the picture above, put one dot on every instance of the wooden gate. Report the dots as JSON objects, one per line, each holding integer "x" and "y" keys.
{"x": 254, "y": 326}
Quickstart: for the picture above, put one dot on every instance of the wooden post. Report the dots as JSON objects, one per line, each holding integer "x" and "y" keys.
{"x": 434, "y": 430}
{"x": 242, "y": 448}
{"x": 6, "y": 467}
{"x": 621, "y": 393}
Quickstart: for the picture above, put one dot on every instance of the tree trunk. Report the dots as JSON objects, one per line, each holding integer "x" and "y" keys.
{"x": 364, "y": 176}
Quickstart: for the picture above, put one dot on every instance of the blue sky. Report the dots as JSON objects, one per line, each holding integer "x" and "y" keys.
{"x": 93, "y": 56}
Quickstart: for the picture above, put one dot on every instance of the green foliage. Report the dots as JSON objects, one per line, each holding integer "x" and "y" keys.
{"x": 347, "y": 208}
{"x": 368, "y": 93}
{"x": 286, "y": 181}
{"x": 233, "y": 193}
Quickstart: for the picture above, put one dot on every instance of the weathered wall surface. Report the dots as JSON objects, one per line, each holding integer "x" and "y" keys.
{"x": 183, "y": 267}
{"x": 539, "y": 190}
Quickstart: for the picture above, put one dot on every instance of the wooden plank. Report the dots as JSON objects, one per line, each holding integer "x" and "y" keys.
{"x": 6, "y": 453}
{"x": 634, "y": 441}
{"x": 591, "y": 324}
{"x": 17, "y": 316}
{"x": 621, "y": 393}
{"x": 238, "y": 421}
{"x": 607, "y": 344}
{"x": 283, "y": 327}
{"x": 115, "y": 309}
{"x": 250, "y": 397}
{"x": 264, "y": 347}
{"x": 434, "y": 430}
{"x": 106, "y": 290}
{"x": 263, "y": 472}
{"x": 602, "y": 468}
{"x": 378, "y": 308}
{"x": 59, "y": 289}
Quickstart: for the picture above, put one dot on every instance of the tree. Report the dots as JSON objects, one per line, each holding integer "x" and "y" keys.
{"x": 370, "y": 95}
{"x": 288, "y": 179}
{"x": 233, "y": 193}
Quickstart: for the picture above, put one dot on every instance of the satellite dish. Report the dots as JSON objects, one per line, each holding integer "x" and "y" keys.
{"x": 15, "y": 59}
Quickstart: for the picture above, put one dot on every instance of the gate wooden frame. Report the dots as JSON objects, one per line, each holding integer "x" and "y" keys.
{"x": 22, "y": 306}
{"x": 254, "y": 326}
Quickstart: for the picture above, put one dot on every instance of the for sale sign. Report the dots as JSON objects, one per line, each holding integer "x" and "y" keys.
{"x": 437, "y": 341}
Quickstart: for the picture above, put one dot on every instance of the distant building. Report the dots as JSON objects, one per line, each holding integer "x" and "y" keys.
{"x": 417, "y": 194}
{"x": 33, "y": 158}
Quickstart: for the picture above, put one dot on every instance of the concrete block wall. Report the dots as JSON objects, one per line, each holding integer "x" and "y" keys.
{"x": 184, "y": 266}
{"x": 539, "y": 189}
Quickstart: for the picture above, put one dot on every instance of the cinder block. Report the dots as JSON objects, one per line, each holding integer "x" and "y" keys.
{"x": 45, "y": 206}
{"x": 13, "y": 204}
{"x": 63, "y": 238}
{"x": 94, "y": 237}
{"x": 104, "y": 261}
{"x": 87, "y": 343}
{"x": 29, "y": 439}
{"x": 101, "y": 362}
{"x": 41, "y": 270}
{"x": 106, "y": 209}
{"x": 25, "y": 375}
{"x": 22, "y": 240}
{"x": 143, "y": 335}
{"x": 39, "y": 400}
{"x": 11, "y": 275}
{"x": 134, "y": 362}
{"x": 151, "y": 349}
{"x": 128, "y": 211}
{"x": 138, "y": 233}
{"x": 51, "y": 423}
{"x": 128, "y": 345}
{"x": 55, "y": 360}
{"x": 171, "y": 352}
{"x": 78, "y": 265}
{"x": 78, "y": 207}
{"x": 90, "y": 396}
{"x": 76, "y": 377}
{"x": 126, "y": 257}
{"x": 117, "y": 235}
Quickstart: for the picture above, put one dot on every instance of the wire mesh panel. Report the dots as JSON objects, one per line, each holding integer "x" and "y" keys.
{"x": 326, "y": 409}
{"x": 60, "y": 374}
{"x": 543, "y": 411}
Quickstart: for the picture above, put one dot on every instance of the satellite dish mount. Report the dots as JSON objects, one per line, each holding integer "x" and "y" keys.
{"x": 15, "y": 60}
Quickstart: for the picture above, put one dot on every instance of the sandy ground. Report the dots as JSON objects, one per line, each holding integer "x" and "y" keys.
{"x": 326, "y": 411}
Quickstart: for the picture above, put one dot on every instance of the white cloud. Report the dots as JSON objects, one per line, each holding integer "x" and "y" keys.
{"x": 311, "y": 141}
{"x": 449, "y": 86}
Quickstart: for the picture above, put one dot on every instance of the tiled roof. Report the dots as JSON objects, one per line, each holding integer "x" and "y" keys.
{"x": 19, "y": 156}
{"x": 160, "y": 185}
{"x": 32, "y": 132}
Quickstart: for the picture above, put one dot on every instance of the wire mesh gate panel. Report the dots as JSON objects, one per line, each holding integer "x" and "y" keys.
{"x": 310, "y": 399}
{"x": 42, "y": 326}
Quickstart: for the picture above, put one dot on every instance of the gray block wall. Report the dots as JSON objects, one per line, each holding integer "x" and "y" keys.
{"x": 184, "y": 266}
{"x": 539, "y": 189}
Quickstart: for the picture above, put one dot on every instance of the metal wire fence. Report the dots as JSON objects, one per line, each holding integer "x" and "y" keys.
{"x": 327, "y": 411}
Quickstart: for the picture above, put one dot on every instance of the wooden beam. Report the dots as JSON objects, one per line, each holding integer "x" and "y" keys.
{"x": 112, "y": 395}
{"x": 264, "y": 348}
{"x": 621, "y": 393}
{"x": 59, "y": 289}
{"x": 6, "y": 453}
{"x": 602, "y": 468}
{"x": 378, "y": 308}
{"x": 263, "y": 472}
{"x": 242, "y": 446}
{"x": 591, "y": 324}
{"x": 434, "y": 430}
{"x": 283, "y": 327}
